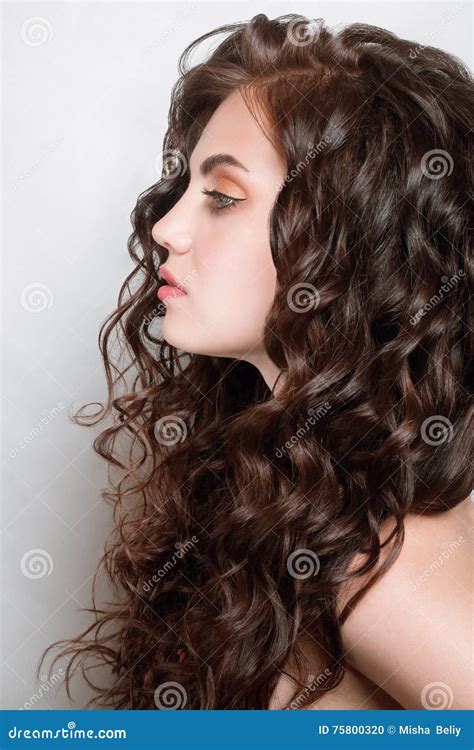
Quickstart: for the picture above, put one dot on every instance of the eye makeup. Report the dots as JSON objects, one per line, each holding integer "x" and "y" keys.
{"x": 222, "y": 202}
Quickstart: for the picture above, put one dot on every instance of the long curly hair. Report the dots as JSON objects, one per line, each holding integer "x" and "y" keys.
{"x": 237, "y": 509}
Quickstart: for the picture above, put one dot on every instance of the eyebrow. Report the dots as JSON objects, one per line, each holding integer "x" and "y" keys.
{"x": 209, "y": 164}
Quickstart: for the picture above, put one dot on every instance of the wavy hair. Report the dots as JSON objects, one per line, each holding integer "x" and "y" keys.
{"x": 237, "y": 510}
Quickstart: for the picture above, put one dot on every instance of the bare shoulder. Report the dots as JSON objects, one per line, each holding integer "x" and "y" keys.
{"x": 411, "y": 633}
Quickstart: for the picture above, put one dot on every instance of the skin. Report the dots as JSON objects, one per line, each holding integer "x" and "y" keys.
{"x": 223, "y": 260}
{"x": 409, "y": 639}
{"x": 414, "y": 627}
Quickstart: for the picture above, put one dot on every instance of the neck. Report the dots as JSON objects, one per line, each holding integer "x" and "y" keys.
{"x": 269, "y": 371}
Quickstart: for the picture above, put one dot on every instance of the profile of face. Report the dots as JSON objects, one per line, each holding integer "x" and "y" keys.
{"x": 218, "y": 245}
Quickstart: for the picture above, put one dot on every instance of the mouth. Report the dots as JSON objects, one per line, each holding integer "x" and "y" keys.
{"x": 172, "y": 289}
{"x": 172, "y": 282}
{"x": 169, "y": 291}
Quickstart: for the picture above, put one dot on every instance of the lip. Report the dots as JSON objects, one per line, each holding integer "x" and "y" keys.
{"x": 167, "y": 292}
{"x": 166, "y": 274}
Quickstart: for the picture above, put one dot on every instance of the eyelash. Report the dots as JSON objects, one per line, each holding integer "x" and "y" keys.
{"x": 216, "y": 195}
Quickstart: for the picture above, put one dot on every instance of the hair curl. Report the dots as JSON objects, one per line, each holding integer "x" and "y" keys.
{"x": 223, "y": 480}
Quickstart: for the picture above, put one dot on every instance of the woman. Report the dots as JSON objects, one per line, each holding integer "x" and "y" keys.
{"x": 300, "y": 402}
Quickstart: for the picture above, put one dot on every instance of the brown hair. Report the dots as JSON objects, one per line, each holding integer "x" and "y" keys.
{"x": 228, "y": 496}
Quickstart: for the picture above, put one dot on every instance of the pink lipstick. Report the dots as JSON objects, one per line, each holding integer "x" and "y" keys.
{"x": 173, "y": 289}
{"x": 164, "y": 292}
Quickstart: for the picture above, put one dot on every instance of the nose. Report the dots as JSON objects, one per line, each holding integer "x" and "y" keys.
{"x": 172, "y": 237}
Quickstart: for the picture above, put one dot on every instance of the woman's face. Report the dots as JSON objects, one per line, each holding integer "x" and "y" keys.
{"x": 222, "y": 257}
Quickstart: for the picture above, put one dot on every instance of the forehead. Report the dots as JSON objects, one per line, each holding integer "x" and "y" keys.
{"x": 233, "y": 129}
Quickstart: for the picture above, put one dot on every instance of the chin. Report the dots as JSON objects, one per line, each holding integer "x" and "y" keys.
{"x": 180, "y": 335}
{"x": 171, "y": 334}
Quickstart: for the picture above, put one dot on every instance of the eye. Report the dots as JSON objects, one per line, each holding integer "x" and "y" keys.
{"x": 224, "y": 202}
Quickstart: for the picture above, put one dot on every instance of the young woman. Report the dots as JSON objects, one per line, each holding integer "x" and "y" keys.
{"x": 293, "y": 514}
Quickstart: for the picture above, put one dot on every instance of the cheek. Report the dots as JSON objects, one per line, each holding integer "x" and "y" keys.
{"x": 237, "y": 277}
{"x": 233, "y": 288}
